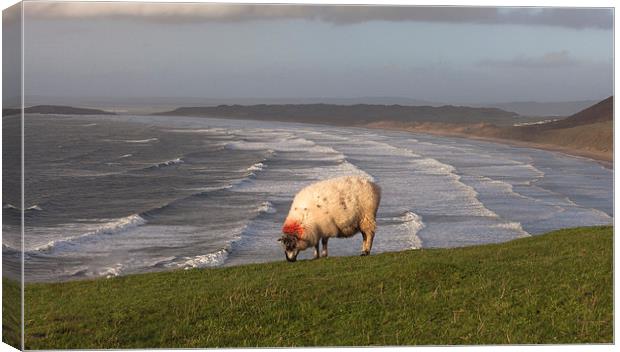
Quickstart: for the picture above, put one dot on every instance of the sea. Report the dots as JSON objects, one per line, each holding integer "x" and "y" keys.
{"x": 117, "y": 195}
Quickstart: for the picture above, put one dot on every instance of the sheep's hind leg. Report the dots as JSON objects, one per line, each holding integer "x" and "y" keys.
{"x": 367, "y": 244}
{"x": 324, "y": 250}
{"x": 316, "y": 251}
{"x": 367, "y": 229}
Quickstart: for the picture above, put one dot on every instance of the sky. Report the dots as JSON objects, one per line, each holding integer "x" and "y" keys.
{"x": 451, "y": 54}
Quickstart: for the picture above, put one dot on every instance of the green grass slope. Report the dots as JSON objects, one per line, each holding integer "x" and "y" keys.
{"x": 553, "y": 288}
{"x": 11, "y": 312}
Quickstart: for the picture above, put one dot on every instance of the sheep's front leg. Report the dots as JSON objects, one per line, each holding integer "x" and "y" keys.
{"x": 324, "y": 250}
{"x": 316, "y": 250}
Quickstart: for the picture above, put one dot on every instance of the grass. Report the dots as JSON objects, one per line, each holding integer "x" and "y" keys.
{"x": 554, "y": 288}
{"x": 11, "y": 312}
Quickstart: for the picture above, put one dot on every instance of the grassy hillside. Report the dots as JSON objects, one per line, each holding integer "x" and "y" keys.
{"x": 11, "y": 313}
{"x": 590, "y": 129}
{"x": 594, "y": 137}
{"x": 587, "y": 133}
{"x": 554, "y": 288}
{"x": 600, "y": 112}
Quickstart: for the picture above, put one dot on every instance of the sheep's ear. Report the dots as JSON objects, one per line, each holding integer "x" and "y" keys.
{"x": 280, "y": 239}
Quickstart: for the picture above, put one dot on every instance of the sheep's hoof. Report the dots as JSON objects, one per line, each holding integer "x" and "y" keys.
{"x": 364, "y": 253}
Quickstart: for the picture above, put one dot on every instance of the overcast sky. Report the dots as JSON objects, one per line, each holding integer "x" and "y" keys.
{"x": 453, "y": 55}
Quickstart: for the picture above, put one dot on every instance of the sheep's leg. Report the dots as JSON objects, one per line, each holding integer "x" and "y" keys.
{"x": 366, "y": 244}
{"x": 316, "y": 250}
{"x": 367, "y": 228}
{"x": 324, "y": 250}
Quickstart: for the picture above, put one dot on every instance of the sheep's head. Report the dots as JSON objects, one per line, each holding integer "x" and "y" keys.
{"x": 292, "y": 246}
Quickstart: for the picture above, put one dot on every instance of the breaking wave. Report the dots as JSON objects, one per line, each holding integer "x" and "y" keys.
{"x": 35, "y": 207}
{"x": 267, "y": 207}
{"x": 206, "y": 260}
{"x": 256, "y": 167}
{"x": 414, "y": 224}
{"x": 114, "y": 227}
{"x": 139, "y": 141}
{"x": 167, "y": 163}
{"x": 515, "y": 226}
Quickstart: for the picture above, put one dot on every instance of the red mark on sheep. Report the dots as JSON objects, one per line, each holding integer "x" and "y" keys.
{"x": 293, "y": 228}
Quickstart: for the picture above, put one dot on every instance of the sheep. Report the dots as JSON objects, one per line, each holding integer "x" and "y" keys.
{"x": 338, "y": 207}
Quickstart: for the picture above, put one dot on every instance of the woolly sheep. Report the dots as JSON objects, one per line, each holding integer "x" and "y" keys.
{"x": 338, "y": 207}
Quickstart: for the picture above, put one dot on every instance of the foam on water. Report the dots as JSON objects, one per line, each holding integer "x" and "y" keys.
{"x": 171, "y": 162}
{"x": 35, "y": 207}
{"x": 256, "y": 167}
{"x": 113, "y": 227}
{"x": 140, "y": 141}
{"x": 267, "y": 207}
{"x": 206, "y": 260}
{"x": 516, "y": 226}
{"x": 413, "y": 224}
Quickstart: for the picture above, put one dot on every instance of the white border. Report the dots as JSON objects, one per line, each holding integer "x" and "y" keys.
{"x": 505, "y": 3}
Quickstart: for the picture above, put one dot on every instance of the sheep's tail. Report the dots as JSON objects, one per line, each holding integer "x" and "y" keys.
{"x": 377, "y": 191}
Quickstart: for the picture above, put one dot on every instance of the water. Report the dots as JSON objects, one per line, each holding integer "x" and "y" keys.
{"x": 109, "y": 196}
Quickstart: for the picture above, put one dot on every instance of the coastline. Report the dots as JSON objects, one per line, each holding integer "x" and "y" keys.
{"x": 604, "y": 159}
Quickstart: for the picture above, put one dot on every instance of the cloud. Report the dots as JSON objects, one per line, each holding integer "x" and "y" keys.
{"x": 548, "y": 60}
{"x": 336, "y": 14}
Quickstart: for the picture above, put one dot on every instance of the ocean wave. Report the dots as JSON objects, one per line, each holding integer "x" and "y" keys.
{"x": 385, "y": 149}
{"x": 11, "y": 249}
{"x": 125, "y": 156}
{"x": 256, "y": 167}
{"x": 286, "y": 142}
{"x": 203, "y": 190}
{"x": 267, "y": 207}
{"x": 244, "y": 145}
{"x": 508, "y": 188}
{"x": 134, "y": 141}
{"x": 214, "y": 130}
{"x": 426, "y": 166}
{"x": 344, "y": 168}
{"x": 10, "y": 206}
{"x": 85, "y": 173}
{"x": 414, "y": 224}
{"x": 178, "y": 160}
{"x": 513, "y": 225}
{"x": 110, "y": 272}
{"x": 107, "y": 272}
{"x": 35, "y": 207}
{"x": 431, "y": 166}
{"x": 113, "y": 227}
{"x": 216, "y": 258}
{"x": 206, "y": 260}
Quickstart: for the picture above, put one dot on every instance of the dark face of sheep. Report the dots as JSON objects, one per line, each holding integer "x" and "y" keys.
{"x": 291, "y": 248}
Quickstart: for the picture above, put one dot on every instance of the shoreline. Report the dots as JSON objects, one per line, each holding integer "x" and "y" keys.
{"x": 599, "y": 157}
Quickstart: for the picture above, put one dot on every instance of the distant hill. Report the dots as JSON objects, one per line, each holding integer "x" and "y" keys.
{"x": 56, "y": 109}
{"x": 533, "y": 108}
{"x": 587, "y": 133}
{"x": 590, "y": 129}
{"x": 350, "y": 114}
{"x": 600, "y": 112}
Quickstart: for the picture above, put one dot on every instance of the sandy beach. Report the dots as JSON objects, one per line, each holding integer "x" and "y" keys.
{"x": 603, "y": 158}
